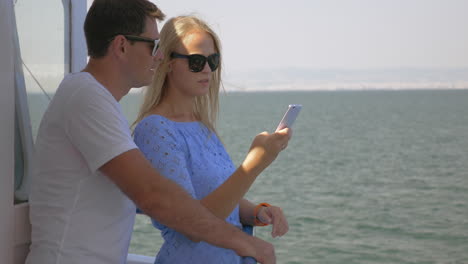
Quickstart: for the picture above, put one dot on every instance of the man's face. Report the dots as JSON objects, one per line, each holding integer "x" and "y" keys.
{"x": 142, "y": 63}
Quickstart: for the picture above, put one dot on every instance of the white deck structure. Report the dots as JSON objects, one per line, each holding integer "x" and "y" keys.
{"x": 33, "y": 36}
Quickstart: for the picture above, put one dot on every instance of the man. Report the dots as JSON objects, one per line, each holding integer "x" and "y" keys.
{"x": 88, "y": 173}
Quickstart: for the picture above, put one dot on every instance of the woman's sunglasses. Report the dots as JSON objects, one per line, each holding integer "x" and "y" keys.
{"x": 197, "y": 62}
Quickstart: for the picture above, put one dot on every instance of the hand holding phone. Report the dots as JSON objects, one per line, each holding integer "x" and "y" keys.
{"x": 290, "y": 116}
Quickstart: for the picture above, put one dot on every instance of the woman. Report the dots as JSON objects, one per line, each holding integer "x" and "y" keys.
{"x": 176, "y": 132}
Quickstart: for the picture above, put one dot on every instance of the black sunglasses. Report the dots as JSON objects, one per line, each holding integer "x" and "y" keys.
{"x": 155, "y": 42}
{"x": 197, "y": 62}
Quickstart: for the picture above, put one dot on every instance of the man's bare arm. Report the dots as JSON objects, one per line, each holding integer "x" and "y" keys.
{"x": 167, "y": 202}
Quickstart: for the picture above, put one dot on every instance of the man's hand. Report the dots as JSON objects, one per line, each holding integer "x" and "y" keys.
{"x": 262, "y": 251}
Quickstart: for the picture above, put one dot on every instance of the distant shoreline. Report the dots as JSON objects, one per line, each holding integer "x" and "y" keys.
{"x": 349, "y": 90}
{"x": 139, "y": 91}
{"x": 347, "y": 86}
{"x": 304, "y": 79}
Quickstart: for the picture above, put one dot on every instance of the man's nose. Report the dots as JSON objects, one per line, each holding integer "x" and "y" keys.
{"x": 159, "y": 55}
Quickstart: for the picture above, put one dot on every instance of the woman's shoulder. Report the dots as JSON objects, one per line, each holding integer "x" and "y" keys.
{"x": 153, "y": 121}
{"x": 154, "y": 124}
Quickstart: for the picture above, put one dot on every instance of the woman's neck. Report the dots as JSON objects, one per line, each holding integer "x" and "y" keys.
{"x": 177, "y": 108}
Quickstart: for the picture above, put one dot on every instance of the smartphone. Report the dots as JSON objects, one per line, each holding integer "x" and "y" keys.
{"x": 290, "y": 116}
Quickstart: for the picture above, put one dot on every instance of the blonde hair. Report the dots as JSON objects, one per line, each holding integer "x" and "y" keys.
{"x": 206, "y": 107}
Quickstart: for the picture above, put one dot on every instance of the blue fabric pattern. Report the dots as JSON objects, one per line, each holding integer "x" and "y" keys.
{"x": 189, "y": 154}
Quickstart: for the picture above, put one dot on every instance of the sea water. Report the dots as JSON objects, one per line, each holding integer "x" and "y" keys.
{"x": 368, "y": 177}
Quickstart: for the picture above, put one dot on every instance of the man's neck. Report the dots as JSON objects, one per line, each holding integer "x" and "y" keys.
{"x": 107, "y": 75}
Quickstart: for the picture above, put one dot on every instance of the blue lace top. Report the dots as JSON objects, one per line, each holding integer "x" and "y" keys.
{"x": 187, "y": 153}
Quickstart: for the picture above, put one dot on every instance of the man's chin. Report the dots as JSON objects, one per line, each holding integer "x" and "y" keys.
{"x": 138, "y": 86}
{"x": 145, "y": 83}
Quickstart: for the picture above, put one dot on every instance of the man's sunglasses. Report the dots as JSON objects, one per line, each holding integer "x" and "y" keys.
{"x": 197, "y": 62}
{"x": 155, "y": 42}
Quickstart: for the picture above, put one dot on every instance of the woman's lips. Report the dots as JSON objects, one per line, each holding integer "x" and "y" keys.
{"x": 204, "y": 81}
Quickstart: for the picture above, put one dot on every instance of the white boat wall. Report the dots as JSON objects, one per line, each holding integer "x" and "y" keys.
{"x": 7, "y": 209}
{"x": 35, "y": 36}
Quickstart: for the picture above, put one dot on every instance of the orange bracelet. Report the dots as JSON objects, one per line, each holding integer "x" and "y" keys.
{"x": 257, "y": 221}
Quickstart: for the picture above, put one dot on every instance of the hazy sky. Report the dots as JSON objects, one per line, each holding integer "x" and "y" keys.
{"x": 335, "y": 33}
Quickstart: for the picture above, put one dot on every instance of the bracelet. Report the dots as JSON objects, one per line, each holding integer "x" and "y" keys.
{"x": 257, "y": 221}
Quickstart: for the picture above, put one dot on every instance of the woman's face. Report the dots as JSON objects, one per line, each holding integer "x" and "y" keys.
{"x": 180, "y": 77}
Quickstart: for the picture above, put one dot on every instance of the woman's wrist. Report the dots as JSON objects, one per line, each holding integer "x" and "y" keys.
{"x": 251, "y": 167}
{"x": 257, "y": 209}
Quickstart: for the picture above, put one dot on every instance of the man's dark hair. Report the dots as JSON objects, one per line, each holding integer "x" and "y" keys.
{"x": 108, "y": 18}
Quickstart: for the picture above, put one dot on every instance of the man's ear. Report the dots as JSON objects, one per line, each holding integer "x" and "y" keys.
{"x": 118, "y": 46}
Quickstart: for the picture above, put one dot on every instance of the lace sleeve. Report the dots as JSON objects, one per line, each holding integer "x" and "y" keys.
{"x": 165, "y": 149}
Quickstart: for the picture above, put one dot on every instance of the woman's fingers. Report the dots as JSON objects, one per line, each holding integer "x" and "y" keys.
{"x": 280, "y": 224}
{"x": 282, "y": 138}
{"x": 278, "y": 220}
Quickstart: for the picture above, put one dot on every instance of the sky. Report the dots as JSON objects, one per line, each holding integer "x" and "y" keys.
{"x": 343, "y": 34}
{"x": 300, "y": 43}
{"x": 290, "y": 43}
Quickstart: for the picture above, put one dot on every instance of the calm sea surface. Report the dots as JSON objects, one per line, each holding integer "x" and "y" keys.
{"x": 369, "y": 177}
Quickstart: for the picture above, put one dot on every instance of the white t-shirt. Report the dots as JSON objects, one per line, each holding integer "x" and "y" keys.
{"x": 79, "y": 215}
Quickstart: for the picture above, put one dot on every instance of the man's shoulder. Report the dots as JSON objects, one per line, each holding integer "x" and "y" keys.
{"x": 78, "y": 78}
{"x": 81, "y": 89}
{"x": 80, "y": 83}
